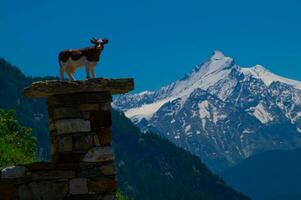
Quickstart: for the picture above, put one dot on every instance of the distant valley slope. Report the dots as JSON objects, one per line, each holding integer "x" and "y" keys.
{"x": 274, "y": 175}
{"x": 221, "y": 112}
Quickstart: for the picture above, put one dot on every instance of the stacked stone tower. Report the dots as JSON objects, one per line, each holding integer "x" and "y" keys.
{"x": 82, "y": 164}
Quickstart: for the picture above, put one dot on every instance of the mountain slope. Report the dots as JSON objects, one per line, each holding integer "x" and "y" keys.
{"x": 148, "y": 166}
{"x": 30, "y": 112}
{"x": 271, "y": 175}
{"x": 221, "y": 112}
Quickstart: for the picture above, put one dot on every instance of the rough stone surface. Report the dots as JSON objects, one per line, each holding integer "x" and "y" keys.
{"x": 24, "y": 192}
{"x": 89, "y": 107}
{"x": 65, "y": 113}
{"x": 82, "y": 165}
{"x": 49, "y": 190}
{"x": 13, "y": 172}
{"x": 7, "y": 190}
{"x": 100, "y": 186}
{"x": 78, "y": 186}
{"x": 83, "y": 142}
{"x": 65, "y": 144}
{"x": 52, "y": 87}
{"x": 109, "y": 197}
{"x": 53, "y": 174}
{"x": 99, "y": 154}
{"x": 108, "y": 169}
{"x": 72, "y": 126}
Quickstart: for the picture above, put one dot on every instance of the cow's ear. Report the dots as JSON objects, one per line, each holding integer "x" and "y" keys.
{"x": 93, "y": 41}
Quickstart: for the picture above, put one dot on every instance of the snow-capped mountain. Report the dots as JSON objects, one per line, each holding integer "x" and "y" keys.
{"x": 221, "y": 112}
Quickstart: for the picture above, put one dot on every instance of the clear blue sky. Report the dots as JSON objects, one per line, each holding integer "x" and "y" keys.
{"x": 156, "y": 41}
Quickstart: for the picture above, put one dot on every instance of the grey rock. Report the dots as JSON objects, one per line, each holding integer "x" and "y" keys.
{"x": 52, "y": 87}
{"x": 99, "y": 154}
{"x": 48, "y": 190}
{"x": 72, "y": 126}
{"x": 78, "y": 186}
{"x": 13, "y": 172}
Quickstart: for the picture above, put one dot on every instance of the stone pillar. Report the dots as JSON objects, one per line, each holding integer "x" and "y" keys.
{"x": 81, "y": 139}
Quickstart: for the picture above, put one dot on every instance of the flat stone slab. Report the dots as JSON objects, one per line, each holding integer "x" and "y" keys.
{"x": 52, "y": 87}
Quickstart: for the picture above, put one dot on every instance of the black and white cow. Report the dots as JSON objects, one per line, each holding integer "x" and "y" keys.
{"x": 72, "y": 59}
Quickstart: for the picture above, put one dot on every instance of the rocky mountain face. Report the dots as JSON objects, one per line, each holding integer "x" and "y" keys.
{"x": 221, "y": 112}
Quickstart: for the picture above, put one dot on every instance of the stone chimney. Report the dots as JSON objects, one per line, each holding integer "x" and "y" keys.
{"x": 82, "y": 159}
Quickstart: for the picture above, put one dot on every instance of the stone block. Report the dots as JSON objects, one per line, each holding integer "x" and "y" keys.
{"x": 52, "y": 175}
{"x": 8, "y": 190}
{"x": 13, "y": 172}
{"x": 83, "y": 142}
{"x": 89, "y": 107}
{"x": 65, "y": 144}
{"x": 53, "y": 87}
{"x": 96, "y": 140}
{"x": 99, "y": 154}
{"x": 24, "y": 192}
{"x": 68, "y": 157}
{"x": 78, "y": 186}
{"x": 105, "y": 136}
{"x": 38, "y": 166}
{"x": 100, "y": 186}
{"x": 108, "y": 169}
{"x": 74, "y": 100}
{"x": 89, "y": 170}
{"x": 100, "y": 120}
{"x": 86, "y": 115}
{"x": 65, "y": 113}
{"x": 72, "y": 126}
{"x": 105, "y": 106}
{"x": 109, "y": 197}
{"x": 49, "y": 190}
{"x": 84, "y": 197}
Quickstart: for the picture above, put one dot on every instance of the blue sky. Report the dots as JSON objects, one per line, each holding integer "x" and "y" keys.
{"x": 156, "y": 41}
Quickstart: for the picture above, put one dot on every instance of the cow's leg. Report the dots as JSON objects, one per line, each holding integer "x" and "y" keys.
{"x": 70, "y": 75}
{"x": 87, "y": 66}
{"x": 93, "y": 71}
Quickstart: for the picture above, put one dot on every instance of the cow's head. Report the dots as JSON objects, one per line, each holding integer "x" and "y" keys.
{"x": 99, "y": 42}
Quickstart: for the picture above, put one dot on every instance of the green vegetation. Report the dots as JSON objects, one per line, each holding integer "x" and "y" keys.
{"x": 17, "y": 144}
{"x": 29, "y": 112}
{"x": 120, "y": 196}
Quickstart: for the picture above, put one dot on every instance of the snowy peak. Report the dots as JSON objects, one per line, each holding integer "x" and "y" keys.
{"x": 259, "y": 72}
{"x": 217, "y": 62}
{"x": 217, "y": 55}
{"x": 221, "y": 112}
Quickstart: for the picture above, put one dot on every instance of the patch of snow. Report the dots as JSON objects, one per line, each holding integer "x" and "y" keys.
{"x": 261, "y": 114}
{"x": 145, "y": 111}
{"x": 268, "y": 77}
{"x": 204, "y": 112}
{"x": 299, "y": 130}
{"x": 172, "y": 121}
{"x": 247, "y": 131}
{"x": 217, "y": 116}
{"x": 187, "y": 128}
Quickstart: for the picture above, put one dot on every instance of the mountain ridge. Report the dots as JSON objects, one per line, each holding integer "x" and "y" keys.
{"x": 247, "y": 95}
